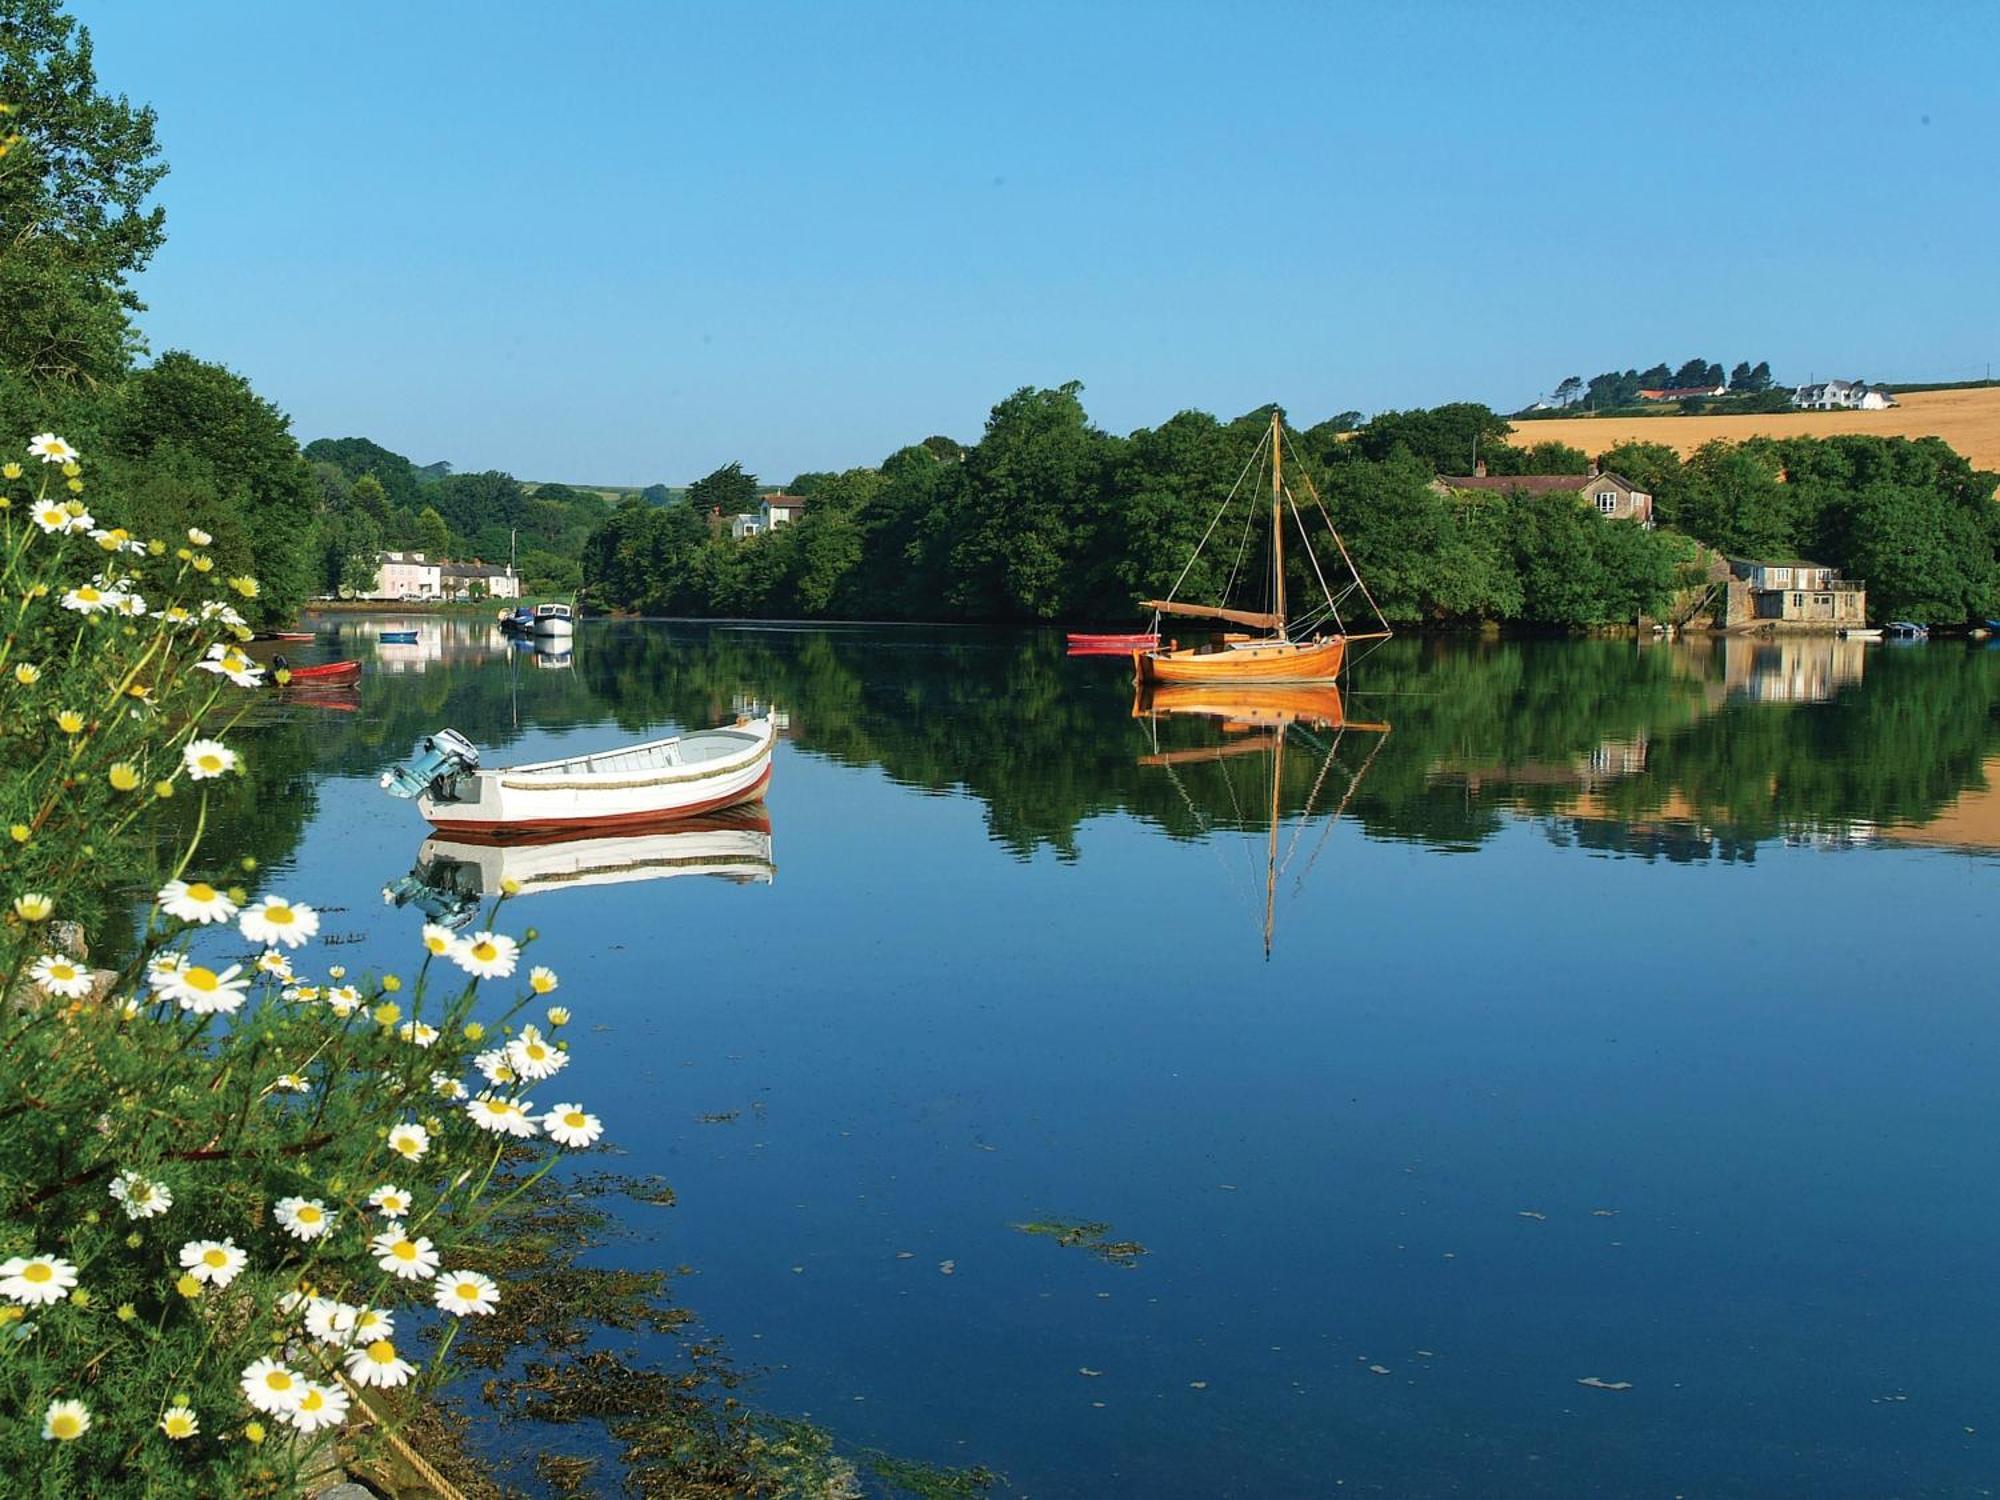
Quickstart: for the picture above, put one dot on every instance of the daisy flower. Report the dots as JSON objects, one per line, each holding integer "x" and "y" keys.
{"x": 65, "y": 1421}
{"x": 290, "y": 1083}
{"x": 390, "y": 1201}
{"x": 447, "y": 1087}
{"x": 495, "y": 1066}
{"x": 199, "y": 537}
{"x": 465, "y": 1292}
{"x": 273, "y": 919}
{"x": 378, "y": 1364}
{"x": 33, "y": 907}
{"x": 229, "y": 661}
{"x": 176, "y": 616}
{"x": 161, "y": 968}
{"x": 51, "y": 449}
{"x": 272, "y": 1386}
{"x": 437, "y": 940}
{"x": 418, "y": 1033}
{"x": 274, "y": 963}
{"x": 87, "y": 599}
{"x": 502, "y": 1116}
{"x": 371, "y": 1323}
{"x": 179, "y": 1422}
{"x": 321, "y": 1406}
{"x": 204, "y": 992}
{"x": 215, "y": 1261}
{"x": 52, "y": 518}
{"x": 402, "y": 1257}
{"x": 571, "y": 1125}
{"x": 206, "y": 759}
{"x": 558, "y": 1015}
{"x": 486, "y": 955}
{"x": 409, "y": 1140}
{"x": 345, "y": 1000}
{"x": 36, "y": 1280}
{"x": 331, "y": 1322}
{"x": 195, "y": 901}
{"x": 61, "y": 977}
{"x": 141, "y": 1197}
{"x": 542, "y": 981}
{"x": 304, "y": 1218}
{"x": 533, "y": 1058}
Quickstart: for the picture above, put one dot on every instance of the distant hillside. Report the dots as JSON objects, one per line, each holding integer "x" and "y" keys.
{"x": 1966, "y": 418}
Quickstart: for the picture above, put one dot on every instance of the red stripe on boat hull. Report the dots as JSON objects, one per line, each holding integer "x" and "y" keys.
{"x": 542, "y": 828}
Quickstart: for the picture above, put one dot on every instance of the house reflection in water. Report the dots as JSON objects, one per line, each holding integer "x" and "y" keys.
{"x": 1790, "y": 669}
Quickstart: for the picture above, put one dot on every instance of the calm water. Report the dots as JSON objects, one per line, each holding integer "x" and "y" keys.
{"x": 1635, "y": 1019}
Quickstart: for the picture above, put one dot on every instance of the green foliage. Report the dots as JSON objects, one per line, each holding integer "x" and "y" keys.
{"x": 192, "y": 1159}
{"x": 73, "y": 211}
{"x": 728, "y": 491}
{"x": 1449, "y": 438}
{"x": 355, "y": 456}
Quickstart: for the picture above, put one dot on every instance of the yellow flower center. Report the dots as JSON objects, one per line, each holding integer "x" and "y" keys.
{"x": 210, "y": 761}
{"x": 196, "y": 977}
{"x": 467, "y": 1290}
{"x": 403, "y": 1250}
{"x": 382, "y": 1352}
{"x": 62, "y": 971}
{"x": 278, "y": 914}
{"x": 312, "y": 1401}
{"x": 278, "y": 1380}
{"x": 179, "y": 1426}
{"x": 485, "y": 952}
{"x": 65, "y": 1425}
{"x": 215, "y": 1256}
{"x": 37, "y": 1270}
{"x": 309, "y": 1215}
{"x": 202, "y": 891}
{"x": 574, "y": 1119}
{"x": 88, "y": 594}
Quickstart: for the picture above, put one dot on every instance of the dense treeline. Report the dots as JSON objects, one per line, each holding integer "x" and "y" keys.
{"x": 1047, "y": 517}
{"x": 372, "y": 499}
{"x": 1613, "y": 388}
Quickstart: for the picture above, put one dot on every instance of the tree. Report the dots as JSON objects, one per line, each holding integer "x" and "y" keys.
{"x": 368, "y": 497}
{"x": 355, "y": 456}
{"x": 433, "y": 536}
{"x": 1569, "y": 391}
{"x": 727, "y": 489}
{"x": 1448, "y": 437}
{"x": 73, "y": 211}
{"x": 1739, "y": 377}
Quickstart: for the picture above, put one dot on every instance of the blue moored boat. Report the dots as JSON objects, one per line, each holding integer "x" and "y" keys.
{"x": 398, "y": 637}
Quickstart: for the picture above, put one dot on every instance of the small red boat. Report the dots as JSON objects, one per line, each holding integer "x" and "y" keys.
{"x": 330, "y": 674}
{"x": 1136, "y": 641}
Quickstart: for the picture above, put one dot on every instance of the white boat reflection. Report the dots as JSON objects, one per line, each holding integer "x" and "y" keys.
{"x": 453, "y": 877}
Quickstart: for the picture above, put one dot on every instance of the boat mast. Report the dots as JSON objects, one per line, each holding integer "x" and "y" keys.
{"x": 1277, "y": 517}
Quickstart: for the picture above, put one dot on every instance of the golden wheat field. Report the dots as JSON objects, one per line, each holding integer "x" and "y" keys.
{"x": 1968, "y": 420}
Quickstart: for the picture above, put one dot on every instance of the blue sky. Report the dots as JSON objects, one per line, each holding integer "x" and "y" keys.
{"x": 625, "y": 241}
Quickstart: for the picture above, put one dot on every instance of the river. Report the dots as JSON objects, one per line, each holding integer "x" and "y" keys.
{"x": 1611, "y": 1112}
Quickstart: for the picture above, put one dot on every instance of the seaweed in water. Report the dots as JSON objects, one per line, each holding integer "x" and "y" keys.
{"x": 1091, "y": 1236}
{"x": 661, "y": 1426}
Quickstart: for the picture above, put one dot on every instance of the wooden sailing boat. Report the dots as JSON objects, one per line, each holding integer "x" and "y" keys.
{"x": 1259, "y": 720}
{"x": 1308, "y": 648}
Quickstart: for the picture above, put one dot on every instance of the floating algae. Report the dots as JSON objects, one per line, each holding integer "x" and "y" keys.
{"x": 1087, "y": 1236}
{"x": 1605, "y": 1385}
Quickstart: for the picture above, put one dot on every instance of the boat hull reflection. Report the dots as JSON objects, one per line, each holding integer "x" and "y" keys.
{"x": 452, "y": 877}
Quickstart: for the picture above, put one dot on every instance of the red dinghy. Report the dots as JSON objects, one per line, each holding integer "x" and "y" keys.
{"x": 331, "y": 674}
{"x": 1136, "y": 641}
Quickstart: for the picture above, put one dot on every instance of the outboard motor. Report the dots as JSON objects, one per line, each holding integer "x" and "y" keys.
{"x": 446, "y": 756}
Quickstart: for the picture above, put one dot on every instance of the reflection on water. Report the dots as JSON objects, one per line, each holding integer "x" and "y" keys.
{"x": 453, "y": 878}
{"x": 1616, "y": 1028}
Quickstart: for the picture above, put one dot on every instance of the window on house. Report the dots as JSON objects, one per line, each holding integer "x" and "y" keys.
{"x": 1798, "y": 601}
{"x": 1825, "y": 599}
{"x": 1607, "y": 501}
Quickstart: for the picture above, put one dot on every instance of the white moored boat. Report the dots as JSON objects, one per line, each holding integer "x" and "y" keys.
{"x": 553, "y": 620}
{"x": 605, "y": 792}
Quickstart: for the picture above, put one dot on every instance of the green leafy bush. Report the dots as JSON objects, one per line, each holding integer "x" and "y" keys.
{"x": 234, "y": 1196}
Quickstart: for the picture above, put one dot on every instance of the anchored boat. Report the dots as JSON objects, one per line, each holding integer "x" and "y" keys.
{"x": 327, "y": 674}
{"x": 1310, "y": 646}
{"x": 608, "y": 791}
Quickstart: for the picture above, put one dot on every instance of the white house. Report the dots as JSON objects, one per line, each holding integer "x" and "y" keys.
{"x": 1842, "y": 395}
{"x": 780, "y": 510}
{"x": 463, "y": 580}
{"x": 407, "y": 575}
{"x": 749, "y": 523}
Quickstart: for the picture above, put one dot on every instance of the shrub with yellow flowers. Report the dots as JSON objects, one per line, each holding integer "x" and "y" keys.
{"x": 243, "y": 1206}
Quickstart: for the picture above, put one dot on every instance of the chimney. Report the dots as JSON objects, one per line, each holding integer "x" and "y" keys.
{"x": 1479, "y": 468}
{"x": 1593, "y": 468}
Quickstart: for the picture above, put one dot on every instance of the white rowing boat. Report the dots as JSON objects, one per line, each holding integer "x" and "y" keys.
{"x": 604, "y": 792}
